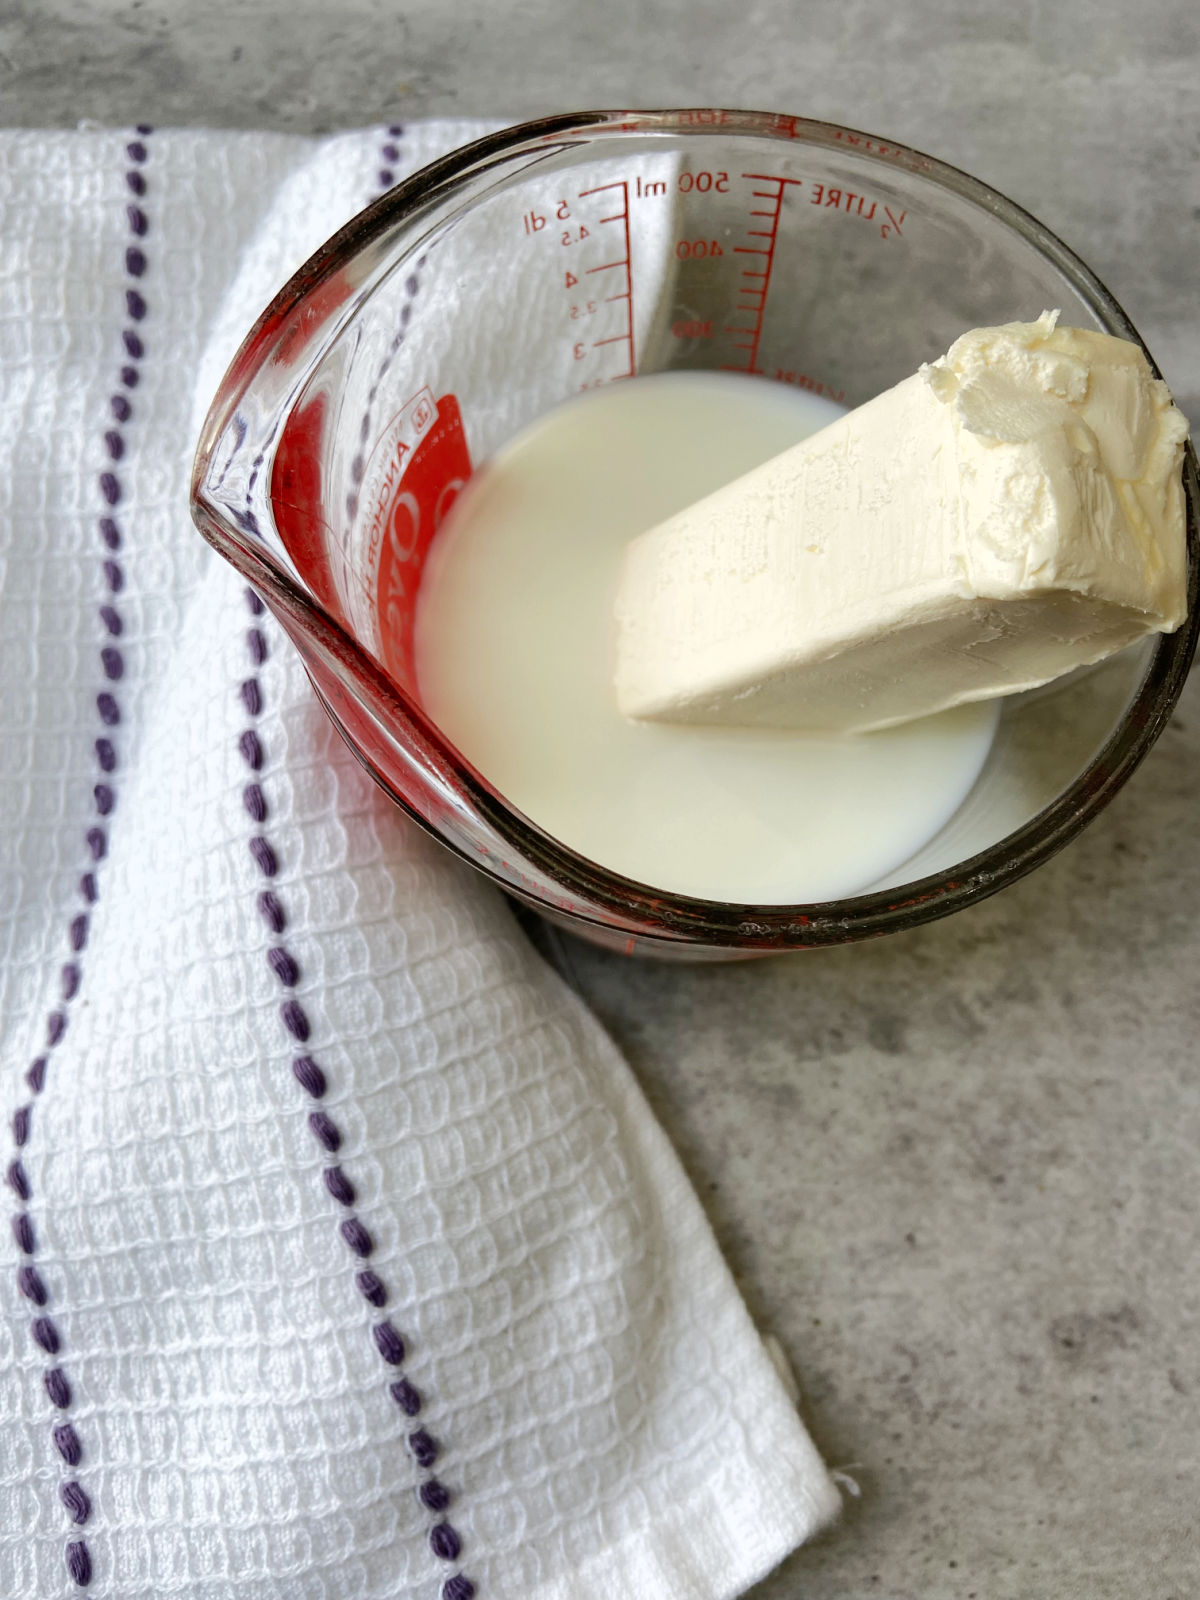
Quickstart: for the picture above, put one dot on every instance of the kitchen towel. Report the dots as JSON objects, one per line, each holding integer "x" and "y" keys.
{"x": 346, "y": 1260}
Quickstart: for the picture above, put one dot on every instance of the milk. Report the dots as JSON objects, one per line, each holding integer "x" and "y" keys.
{"x": 515, "y": 644}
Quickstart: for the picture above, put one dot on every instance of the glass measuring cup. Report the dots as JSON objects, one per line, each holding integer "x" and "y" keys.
{"x": 580, "y": 250}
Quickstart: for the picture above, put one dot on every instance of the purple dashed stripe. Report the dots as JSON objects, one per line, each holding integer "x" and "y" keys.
{"x": 326, "y": 1132}
{"x": 444, "y": 1539}
{"x": 43, "y": 1328}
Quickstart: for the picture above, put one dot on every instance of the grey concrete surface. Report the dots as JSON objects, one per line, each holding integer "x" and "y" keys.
{"x": 955, "y": 1171}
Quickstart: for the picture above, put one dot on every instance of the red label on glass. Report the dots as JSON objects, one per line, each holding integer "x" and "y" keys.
{"x": 297, "y": 504}
{"x": 431, "y": 464}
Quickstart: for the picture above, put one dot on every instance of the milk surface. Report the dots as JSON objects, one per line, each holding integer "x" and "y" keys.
{"x": 515, "y": 645}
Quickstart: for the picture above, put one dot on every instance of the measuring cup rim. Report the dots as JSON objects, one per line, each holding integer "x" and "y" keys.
{"x": 665, "y": 918}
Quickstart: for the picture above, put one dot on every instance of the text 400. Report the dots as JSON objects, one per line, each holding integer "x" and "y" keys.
{"x": 697, "y": 249}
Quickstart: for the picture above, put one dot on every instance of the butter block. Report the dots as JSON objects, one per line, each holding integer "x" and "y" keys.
{"x": 1010, "y": 512}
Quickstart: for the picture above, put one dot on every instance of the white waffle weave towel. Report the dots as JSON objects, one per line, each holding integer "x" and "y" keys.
{"x": 346, "y": 1259}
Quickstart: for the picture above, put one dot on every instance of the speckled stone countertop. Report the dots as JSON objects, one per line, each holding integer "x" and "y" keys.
{"x": 954, "y": 1171}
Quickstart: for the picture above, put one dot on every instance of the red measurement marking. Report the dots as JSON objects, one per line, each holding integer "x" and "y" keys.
{"x": 877, "y": 148}
{"x": 801, "y": 380}
{"x": 895, "y": 222}
{"x": 624, "y": 261}
{"x": 756, "y": 282}
{"x": 847, "y": 202}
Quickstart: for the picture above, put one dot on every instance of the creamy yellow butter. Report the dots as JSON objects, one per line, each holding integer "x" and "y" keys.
{"x": 1010, "y": 512}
